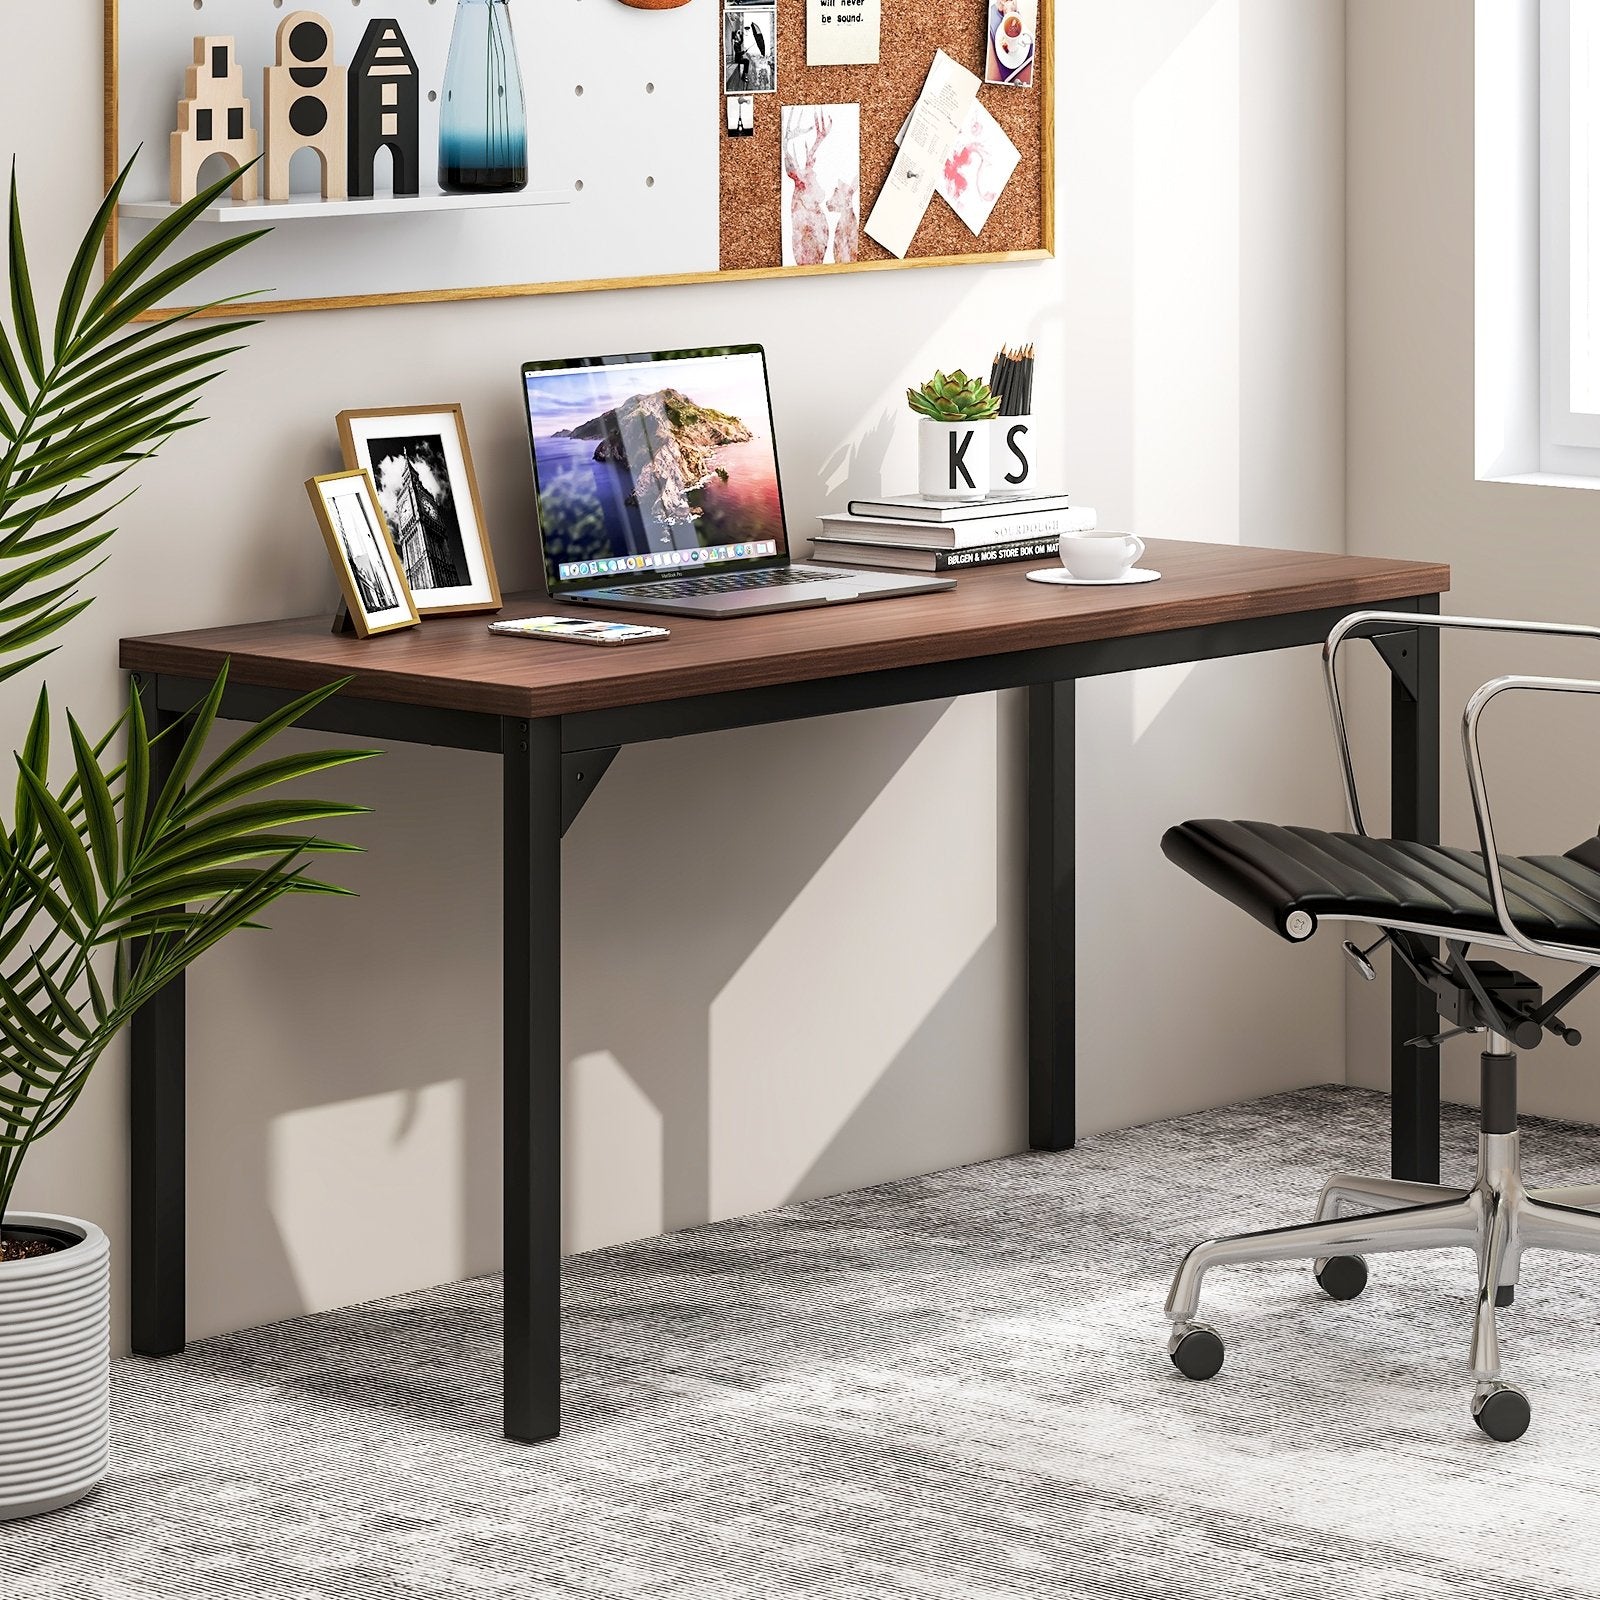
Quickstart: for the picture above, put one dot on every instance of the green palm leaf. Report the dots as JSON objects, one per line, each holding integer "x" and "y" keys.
{"x": 99, "y": 871}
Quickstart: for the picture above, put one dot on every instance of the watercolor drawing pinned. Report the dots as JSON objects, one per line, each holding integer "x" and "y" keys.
{"x": 821, "y": 184}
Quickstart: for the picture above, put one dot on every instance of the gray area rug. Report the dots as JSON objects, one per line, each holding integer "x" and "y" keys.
{"x": 953, "y": 1386}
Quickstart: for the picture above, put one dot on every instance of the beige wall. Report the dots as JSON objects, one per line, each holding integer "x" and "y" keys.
{"x": 344, "y": 1130}
{"x": 1516, "y": 550}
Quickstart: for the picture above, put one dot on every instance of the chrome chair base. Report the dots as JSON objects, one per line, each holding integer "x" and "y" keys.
{"x": 1498, "y": 1218}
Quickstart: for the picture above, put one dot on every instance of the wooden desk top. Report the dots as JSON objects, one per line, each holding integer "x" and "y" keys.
{"x": 456, "y": 664}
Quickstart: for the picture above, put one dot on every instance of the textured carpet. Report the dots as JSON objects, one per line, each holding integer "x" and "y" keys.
{"x": 953, "y": 1386}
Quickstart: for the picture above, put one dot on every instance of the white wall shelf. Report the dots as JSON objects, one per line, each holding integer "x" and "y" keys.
{"x": 310, "y": 208}
{"x": 621, "y": 136}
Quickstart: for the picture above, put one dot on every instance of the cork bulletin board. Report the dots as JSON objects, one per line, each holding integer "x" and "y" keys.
{"x": 1022, "y": 223}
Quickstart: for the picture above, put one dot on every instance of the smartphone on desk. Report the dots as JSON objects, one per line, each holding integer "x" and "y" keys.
{"x": 579, "y": 630}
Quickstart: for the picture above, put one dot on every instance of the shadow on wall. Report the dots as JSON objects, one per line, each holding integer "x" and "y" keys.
{"x": 366, "y": 1160}
{"x": 747, "y": 1052}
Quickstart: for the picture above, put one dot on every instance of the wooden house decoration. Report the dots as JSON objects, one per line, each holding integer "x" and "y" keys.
{"x": 385, "y": 91}
{"x": 304, "y": 105}
{"x": 213, "y": 120}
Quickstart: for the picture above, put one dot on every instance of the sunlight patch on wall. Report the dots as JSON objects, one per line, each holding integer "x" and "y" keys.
{"x": 1153, "y": 692}
{"x": 367, "y": 1194}
{"x": 1186, "y": 288}
{"x": 864, "y": 969}
{"x": 599, "y": 1210}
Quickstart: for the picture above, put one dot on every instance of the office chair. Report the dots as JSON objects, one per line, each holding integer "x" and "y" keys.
{"x": 1420, "y": 898}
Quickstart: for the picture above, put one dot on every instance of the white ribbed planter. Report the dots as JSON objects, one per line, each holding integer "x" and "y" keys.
{"x": 55, "y": 1369}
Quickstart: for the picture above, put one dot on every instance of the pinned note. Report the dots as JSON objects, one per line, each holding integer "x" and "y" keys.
{"x": 842, "y": 33}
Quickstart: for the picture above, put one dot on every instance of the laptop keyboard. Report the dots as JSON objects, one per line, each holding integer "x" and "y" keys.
{"x": 728, "y": 582}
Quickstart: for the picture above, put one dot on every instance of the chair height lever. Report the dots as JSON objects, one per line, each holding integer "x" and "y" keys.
{"x": 1360, "y": 959}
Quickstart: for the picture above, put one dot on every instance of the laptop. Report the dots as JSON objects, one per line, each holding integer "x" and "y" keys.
{"x": 656, "y": 480}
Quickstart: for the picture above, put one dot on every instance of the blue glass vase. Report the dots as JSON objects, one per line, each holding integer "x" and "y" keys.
{"x": 483, "y": 122}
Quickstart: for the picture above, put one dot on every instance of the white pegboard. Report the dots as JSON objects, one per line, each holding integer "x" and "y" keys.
{"x": 622, "y": 153}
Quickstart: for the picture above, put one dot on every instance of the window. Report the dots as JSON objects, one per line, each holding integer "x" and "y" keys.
{"x": 1569, "y": 213}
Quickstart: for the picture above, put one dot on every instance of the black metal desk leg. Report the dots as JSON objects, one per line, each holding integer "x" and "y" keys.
{"x": 156, "y": 1121}
{"x": 1052, "y": 931}
{"x": 1414, "y": 813}
{"x": 532, "y": 1078}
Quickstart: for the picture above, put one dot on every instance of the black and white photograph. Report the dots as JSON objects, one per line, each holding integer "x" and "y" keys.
{"x": 750, "y": 50}
{"x": 363, "y": 553}
{"x": 421, "y": 465}
{"x": 741, "y": 116}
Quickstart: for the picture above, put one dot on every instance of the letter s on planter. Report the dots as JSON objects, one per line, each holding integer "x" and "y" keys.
{"x": 1011, "y": 455}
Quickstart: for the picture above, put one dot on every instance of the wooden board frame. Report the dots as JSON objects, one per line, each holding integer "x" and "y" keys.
{"x": 1047, "y": 183}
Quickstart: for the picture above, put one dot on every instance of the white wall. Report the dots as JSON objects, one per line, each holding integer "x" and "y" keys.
{"x": 1515, "y": 550}
{"x": 344, "y": 1122}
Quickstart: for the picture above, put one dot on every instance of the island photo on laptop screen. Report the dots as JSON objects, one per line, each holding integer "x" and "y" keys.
{"x": 654, "y": 465}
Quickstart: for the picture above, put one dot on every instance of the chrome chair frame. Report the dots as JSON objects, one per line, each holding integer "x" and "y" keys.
{"x": 1497, "y": 1217}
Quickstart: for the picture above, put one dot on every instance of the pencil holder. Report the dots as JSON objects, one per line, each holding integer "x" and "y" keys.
{"x": 1011, "y": 455}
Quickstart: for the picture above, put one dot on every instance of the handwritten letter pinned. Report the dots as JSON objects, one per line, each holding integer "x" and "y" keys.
{"x": 930, "y": 135}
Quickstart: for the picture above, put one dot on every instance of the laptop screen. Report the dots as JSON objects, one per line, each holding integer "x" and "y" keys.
{"x": 654, "y": 466}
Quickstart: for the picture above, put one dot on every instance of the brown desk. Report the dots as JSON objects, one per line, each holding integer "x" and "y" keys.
{"x": 558, "y": 716}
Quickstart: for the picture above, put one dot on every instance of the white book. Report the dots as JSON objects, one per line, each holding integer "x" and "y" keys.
{"x": 914, "y": 508}
{"x": 1014, "y": 528}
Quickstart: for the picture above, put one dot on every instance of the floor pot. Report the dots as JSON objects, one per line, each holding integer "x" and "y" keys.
{"x": 55, "y": 1372}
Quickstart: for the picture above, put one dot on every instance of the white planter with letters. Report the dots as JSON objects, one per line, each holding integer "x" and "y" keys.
{"x": 55, "y": 1368}
{"x": 953, "y": 459}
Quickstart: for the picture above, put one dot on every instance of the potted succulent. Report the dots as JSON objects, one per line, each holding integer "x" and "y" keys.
{"x": 953, "y": 435}
{"x": 109, "y": 886}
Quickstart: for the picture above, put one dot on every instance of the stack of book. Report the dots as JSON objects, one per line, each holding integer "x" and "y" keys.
{"x": 909, "y": 532}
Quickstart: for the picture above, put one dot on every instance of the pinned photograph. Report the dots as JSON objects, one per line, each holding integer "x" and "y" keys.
{"x": 422, "y": 467}
{"x": 821, "y": 185}
{"x": 741, "y": 116}
{"x": 750, "y": 50}
{"x": 1013, "y": 40}
{"x": 363, "y": 554}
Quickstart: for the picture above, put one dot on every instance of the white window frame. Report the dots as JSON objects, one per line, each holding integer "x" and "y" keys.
{"x": 1569, "y": 439}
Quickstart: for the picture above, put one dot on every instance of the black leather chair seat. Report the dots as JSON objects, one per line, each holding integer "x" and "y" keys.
{"x": 1273, "y": 872}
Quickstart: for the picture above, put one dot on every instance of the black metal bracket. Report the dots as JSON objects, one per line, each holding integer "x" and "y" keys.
{"x": 1399, "y": 652}
{"x": 581, "y": 772}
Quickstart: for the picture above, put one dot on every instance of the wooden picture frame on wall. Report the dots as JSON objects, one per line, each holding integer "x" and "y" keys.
{"x": 576, "y": 210}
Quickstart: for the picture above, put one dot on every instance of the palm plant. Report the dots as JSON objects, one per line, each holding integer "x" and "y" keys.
{"x": 110, "y": 888}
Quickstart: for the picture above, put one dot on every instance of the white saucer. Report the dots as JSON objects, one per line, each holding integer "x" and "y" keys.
{"x": 1061, "y": 575}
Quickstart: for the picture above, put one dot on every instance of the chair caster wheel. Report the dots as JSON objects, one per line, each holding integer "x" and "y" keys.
{"x": 1505, "y": 1295}
{"x": 1502, "y": 1412}
{"x": 1342, "y": 1277}
{"x": 1196, "y": 1350}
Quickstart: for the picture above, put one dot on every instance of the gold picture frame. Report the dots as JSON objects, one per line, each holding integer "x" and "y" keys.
{"x": 375, "y": 593}
{"x": 431, "y": 441}
{"x": 1045, "y": 251}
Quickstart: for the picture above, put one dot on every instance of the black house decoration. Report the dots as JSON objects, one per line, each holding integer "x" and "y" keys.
{"x": 385, "y": 89}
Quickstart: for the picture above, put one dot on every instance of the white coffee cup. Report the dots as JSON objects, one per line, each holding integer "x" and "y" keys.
{"x": 1100, "y": 555}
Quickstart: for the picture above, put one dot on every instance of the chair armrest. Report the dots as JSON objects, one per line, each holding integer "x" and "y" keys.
{"x": 1367, "y": 624}
{"x": 1480, "y": 802}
